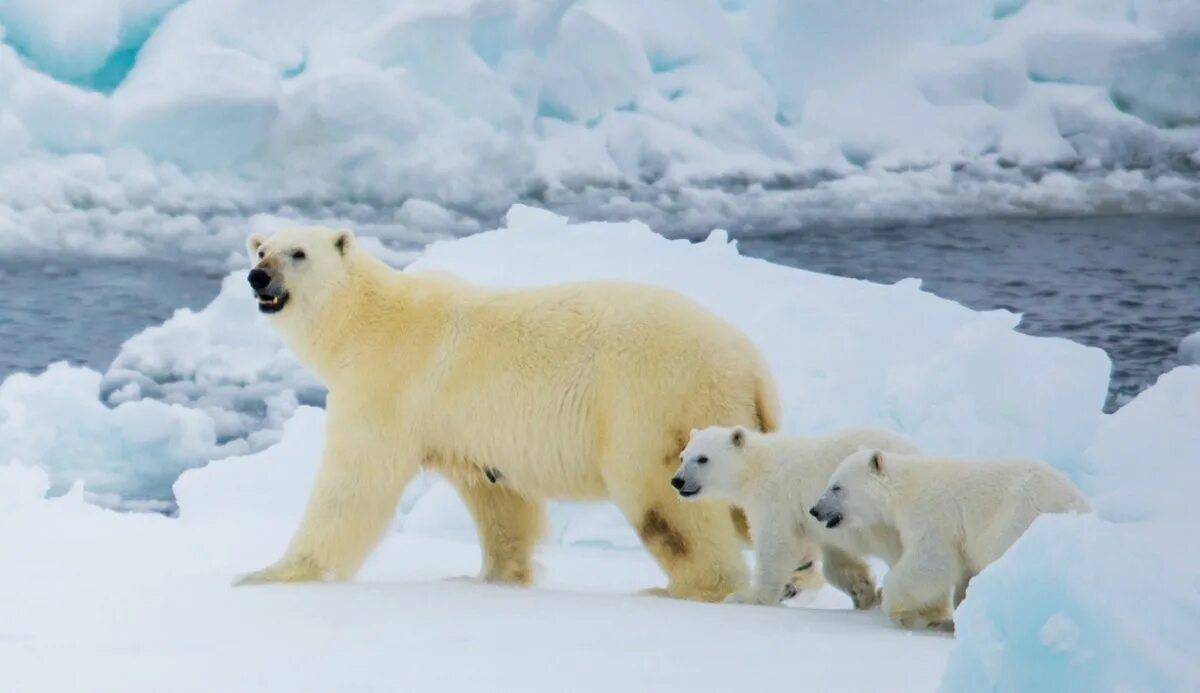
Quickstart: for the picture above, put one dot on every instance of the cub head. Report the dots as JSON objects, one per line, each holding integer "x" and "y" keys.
{"x": 713, "y": 463}
{"x": 856, "y": 493}
{"x": 296, "y": 270}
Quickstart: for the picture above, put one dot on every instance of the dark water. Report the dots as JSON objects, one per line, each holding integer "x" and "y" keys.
{"x": 1128, "y": 285}
{"x": 81, "y": 310}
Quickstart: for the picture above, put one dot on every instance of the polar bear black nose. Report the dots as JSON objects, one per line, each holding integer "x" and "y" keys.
{"x": 259, "y": 279}
{"x": 677, "y": 482}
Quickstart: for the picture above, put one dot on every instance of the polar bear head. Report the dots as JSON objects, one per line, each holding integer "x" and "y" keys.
{"x": 296, "y": 271}
{"x": 856, "y": 493}
{"x": 714, "y": 463}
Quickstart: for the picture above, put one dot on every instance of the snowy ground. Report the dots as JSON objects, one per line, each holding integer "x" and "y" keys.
{"x": 155, "y": 612}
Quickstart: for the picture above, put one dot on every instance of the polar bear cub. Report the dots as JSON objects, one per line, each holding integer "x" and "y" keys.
{"x": 776, "y": 479}
{"x": 952, "y": 517}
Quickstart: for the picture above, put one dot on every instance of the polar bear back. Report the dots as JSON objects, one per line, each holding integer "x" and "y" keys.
{"x": 979, "y": 507}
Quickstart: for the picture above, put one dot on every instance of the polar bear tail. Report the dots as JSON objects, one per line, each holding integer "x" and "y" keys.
{"x": 766, "y": 402}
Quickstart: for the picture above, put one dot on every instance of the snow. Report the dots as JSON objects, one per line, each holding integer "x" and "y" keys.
{"x": 1109, "y": 601}
{"x": 141, "y": 601}
{"x": 143, "y": 126}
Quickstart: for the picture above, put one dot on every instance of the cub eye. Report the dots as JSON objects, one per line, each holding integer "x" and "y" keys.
{"x": 837, "y": 488}
{"x": 262, "y": 254}
{"x": 702, "y": 460}
{"x": 298, "y": 255}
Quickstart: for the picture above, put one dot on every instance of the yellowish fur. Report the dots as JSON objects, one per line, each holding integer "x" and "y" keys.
{"x": 580, "y": 391}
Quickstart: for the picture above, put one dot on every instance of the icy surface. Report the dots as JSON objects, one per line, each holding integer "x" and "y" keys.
{"x": 1104, "y": 602}
{"x": 144, "y": 126}
{"x": 845, "y": 352}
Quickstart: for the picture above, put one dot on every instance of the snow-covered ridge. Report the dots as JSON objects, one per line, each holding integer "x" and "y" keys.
{"x": 134, "y": 126}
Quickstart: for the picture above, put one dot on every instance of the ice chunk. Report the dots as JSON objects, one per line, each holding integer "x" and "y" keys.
{"x": 1189, "y": 349}
{"x": 224, "y": 360}
{"x": 55, "y": 420}
{"x": 1107, "y": 601}
{"x": 139, "y": 125}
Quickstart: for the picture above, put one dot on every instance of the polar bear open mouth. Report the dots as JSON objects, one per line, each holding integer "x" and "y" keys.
{"x": 268, "y": 303}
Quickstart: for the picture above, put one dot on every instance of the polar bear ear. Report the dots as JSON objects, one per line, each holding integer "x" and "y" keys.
{"x": 876, "y": 462}
{"x": 739, "y": 437}
{"x": 253, "y": 243}
{"x": 344, "y": 242}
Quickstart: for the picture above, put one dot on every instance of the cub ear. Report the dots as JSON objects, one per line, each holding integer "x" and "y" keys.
{"x": 739, "y": 437}
{"x": 876, "y": 462}
{"x": 253, "y": 243}
{"x": 344, "y": 242}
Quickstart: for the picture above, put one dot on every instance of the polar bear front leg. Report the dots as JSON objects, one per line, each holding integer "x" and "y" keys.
{"x": 776, "y": 552}
{"x": 509, "y": 527}
{"x": 352, "y": 502}
{"x": 916, "y": 591}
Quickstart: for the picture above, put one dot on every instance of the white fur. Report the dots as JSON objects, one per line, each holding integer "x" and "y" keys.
{"x": 578, "y": 391}
{"x": 952, "y": 518}
{"x": 776, "y": 479}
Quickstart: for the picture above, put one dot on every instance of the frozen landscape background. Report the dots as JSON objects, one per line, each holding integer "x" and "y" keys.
{"x": 1036, "y": 162}
{"x": 130, "y": 127}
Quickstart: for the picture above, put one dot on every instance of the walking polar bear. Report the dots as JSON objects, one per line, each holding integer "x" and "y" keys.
{"x": 580, "y": 391}
{"x": 950, "y": 517}
{"x": 776, "y": 479}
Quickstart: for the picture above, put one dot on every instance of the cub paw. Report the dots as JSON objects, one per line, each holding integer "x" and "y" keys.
{"x": 750, "y": 597}
{"x": 865, "y": 596}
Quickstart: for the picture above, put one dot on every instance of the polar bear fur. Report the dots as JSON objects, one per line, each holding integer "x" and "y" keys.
{"x": 952, "y": 518}
{"x": 776, "y": 479}
{"x": 579, "y": 392}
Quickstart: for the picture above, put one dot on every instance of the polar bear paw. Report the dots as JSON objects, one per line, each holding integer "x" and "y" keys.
{"x": 291, "y": 571}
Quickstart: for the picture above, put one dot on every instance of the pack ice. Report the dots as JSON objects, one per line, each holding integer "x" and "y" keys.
{"x": 135, "y": 126}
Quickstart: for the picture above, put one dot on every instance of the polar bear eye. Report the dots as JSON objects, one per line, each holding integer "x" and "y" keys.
{"x": 262, "y": 254}
{"x": 837, "y": 488}
{"x": 298, "y": 255}
{"x": 702, "y": 460}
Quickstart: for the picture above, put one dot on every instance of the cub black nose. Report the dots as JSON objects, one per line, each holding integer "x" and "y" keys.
{"x": 259, "y": 279}
{"x": 813, "y": 511}
{"x": 677, "y": 482}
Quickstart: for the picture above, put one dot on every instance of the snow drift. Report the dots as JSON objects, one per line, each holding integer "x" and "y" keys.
{"x": 143, "y": 126}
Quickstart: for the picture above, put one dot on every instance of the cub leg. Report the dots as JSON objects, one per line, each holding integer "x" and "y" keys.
{"x": 777, "y": 551}
{"x": 850, "y": 575}
{"x": 916, "y": 591}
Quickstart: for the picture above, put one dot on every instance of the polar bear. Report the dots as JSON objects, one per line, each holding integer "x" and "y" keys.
{"x": 776, "y": 479}
{"x": 579, "y": 392}
{"x": 951, "y": 517}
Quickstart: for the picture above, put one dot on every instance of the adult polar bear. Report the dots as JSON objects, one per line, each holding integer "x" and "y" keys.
{"x": 578, "y": 391}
